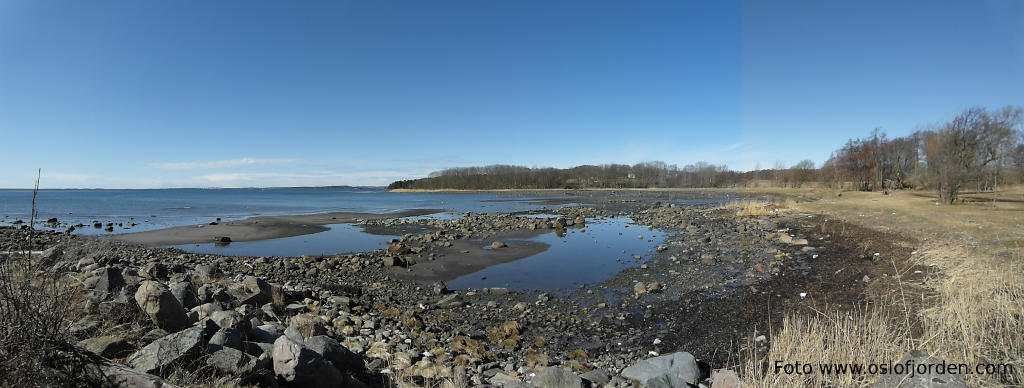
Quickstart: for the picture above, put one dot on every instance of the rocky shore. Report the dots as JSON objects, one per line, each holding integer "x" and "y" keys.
{"x": 679, "y": 318}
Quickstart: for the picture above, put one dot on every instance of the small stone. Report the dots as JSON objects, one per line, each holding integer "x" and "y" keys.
{"x": 725, "y": 378}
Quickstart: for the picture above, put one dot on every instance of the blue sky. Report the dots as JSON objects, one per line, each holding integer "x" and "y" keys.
{"x": 239, "y": 93}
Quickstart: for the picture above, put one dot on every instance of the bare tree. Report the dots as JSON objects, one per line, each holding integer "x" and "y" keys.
{"x": 965, "y": 149}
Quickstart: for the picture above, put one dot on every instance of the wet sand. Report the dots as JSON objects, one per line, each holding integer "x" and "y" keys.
{"x": 257, "y": 228}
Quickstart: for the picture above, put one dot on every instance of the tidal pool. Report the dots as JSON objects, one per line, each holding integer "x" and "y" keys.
{"x": 582, "y": 255}
{"x": 341, "y": 238}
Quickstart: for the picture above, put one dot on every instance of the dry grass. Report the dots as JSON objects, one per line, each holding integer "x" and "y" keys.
{"x": 861, "y": 337}
{"x": 979, "y": 317}
{"x": 506, "y": 335}
{"x": 976, "y": 317}
{"x": 404, "y": 377}
{"x": 760, "y": 208}
{"x": 471, "y": 347}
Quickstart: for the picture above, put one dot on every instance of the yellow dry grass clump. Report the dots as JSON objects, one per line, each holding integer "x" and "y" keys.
{"x": 760, "y": 208}
{"x": 979, "y": 315}
{"x": 974, "y": 312}
{"x": 862, "y": 337}
{"x": 752, "y": 208}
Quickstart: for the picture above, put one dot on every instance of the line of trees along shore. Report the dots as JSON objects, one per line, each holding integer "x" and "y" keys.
{"x": 979, "y": 148}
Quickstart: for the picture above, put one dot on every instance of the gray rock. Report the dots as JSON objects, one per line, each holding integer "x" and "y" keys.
{"x": 302, "y": 367}
{"x": 506, "y": 381}
{"x": 681, "y": 365}
{"x": 392, "y": 261}
{"x": 335, "y": 353}
{"x": 257, "y": 349}
{"x": 725, "y": 378}
{"x": 555, "y": 377}
{"x": 85, "y": 327}
{"x": 206, "y": 309}
{"x": 294, "y": 334}
{"x": 109, "y": 282}
{"x": 107, "y": 346}
{"x": 232, "y": 319}
{"x": 205, "y": 273}
{"x": 185, "y": 294}
{"x": 232, "y": 361}
{"x": 259, "y": 286}
{"x": 224, "y": 338}
{"x": 449, "y": 301}
{"x": 152, "y": 335}
{"x": 167, "y": 353}
{"x": 596, "y": 377}
{"x": 162, "y": 307}
{"x": 929, "y": 379}
{"x": 154, "y": 271}
{"x": 267, "y": 333}
{"x": 108, "y": 373}
{"x": 559, "y": 222}
{"x": 667, "y": 381}
{"x": 440, "y": 288}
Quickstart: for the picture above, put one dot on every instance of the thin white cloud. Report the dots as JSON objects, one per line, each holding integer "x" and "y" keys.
{"x": 67, "y": 177}
{"x": 211, "y": 164}
{"x": 317, "y": 178}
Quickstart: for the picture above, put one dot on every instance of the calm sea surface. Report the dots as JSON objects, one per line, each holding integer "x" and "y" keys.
{"x": 157, "y": 209}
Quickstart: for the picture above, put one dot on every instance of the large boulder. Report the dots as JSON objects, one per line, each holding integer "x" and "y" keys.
{"x": 205, "y": 310}
{"x": 336, "y": 353}
{"x": 232, "y": 319}
{"x": 252, "y": 291}
{"x": 669, "y": 370}
{"x": 107, "y": 346}
{"x": 154, "y": 271}
{"x": 165, "y": 354}
{"x": 237, "y": 363}
{"x": 555, "y": 377}
{"x": 185, "y": 293}
{"x": 107, "y": 373}
{"x": 205, "y": 273}
{"x": 559, "y": 222}
{"x": 921, "y": 377}
{"x": 302, "y": 367}
{"x": 224, "y": 338}
{"x": 110, "y": 281}
{"x": 162, "y": 307}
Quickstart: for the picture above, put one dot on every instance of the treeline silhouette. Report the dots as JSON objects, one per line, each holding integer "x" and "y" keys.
{"x": 641, "y": 175}
{"x": 978, "y": 147}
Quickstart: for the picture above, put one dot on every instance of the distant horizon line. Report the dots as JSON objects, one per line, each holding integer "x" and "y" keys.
{"x": 200, "y": 188}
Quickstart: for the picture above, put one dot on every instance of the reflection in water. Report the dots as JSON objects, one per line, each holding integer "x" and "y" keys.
{"x": 576, "y": 256}
{"x": 560, "y": 232}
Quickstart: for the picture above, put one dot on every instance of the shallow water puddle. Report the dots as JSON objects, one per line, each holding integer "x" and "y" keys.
{"x": 341, "y": 238}
{"x": 580, "y": 256}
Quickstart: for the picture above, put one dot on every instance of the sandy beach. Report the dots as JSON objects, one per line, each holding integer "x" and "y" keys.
{"x": 258, "y": 228}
